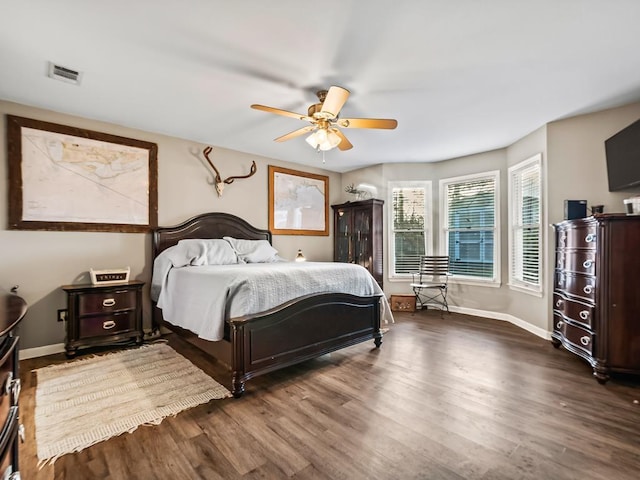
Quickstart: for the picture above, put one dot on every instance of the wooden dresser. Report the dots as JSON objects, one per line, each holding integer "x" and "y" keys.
{"x": 357, "y": 234}
{"x": 12, "y": 310}
{"x": 596, "y": 297}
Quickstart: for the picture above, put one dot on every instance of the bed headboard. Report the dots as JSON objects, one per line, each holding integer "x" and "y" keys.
{"x": 207, "y": 225}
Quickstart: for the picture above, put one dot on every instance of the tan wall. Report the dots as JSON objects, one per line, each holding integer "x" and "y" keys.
{"x": 41, "y": 261}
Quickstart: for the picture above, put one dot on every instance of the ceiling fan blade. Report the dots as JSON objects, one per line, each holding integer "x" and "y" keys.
{"x": 295, "y": 133}
{"x": 334, "y": 101}
{"x": 278, "y": 111}
{"x": 386, "y": 123}
{"x": 344, "y": 144}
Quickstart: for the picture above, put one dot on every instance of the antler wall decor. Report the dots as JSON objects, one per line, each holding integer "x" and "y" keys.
{"x": 229, "y": 180}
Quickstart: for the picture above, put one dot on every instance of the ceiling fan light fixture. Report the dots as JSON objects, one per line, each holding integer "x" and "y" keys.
{"x": 323, "y": 139}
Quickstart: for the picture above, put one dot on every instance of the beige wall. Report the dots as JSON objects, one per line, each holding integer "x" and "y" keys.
{"x": 40, "y": 261}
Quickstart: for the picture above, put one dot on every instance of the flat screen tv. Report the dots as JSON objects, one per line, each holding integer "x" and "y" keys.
{"x": 623, "y": 158}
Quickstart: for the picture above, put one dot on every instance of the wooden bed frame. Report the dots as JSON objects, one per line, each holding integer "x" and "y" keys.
{"x": 295, "y": 331}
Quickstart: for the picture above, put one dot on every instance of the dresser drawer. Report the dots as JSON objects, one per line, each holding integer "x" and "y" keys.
{"x": 576, "y": 285}
{"x": 583, "y": 261}
{"x": 584, "y": 236}
{"x": 579, "y": 337}
{"x": 8, "y": 452}
{"x": 572, "y": 309}
{"x": 103, "y": 302}
{"x": 8, "y": 382}
{"x": 101, "y": 325}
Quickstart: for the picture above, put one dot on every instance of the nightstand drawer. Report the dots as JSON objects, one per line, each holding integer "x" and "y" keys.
{"x": 102, "y": 325}
{"x": 102, "y": 302}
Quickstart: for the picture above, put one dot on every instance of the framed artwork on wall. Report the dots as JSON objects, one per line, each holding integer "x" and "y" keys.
{"x": 298, "y": 202}
{"x": 73, "y": 179}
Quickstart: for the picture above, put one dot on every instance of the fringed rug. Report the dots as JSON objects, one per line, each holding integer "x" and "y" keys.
{"x": 81, "y": 403}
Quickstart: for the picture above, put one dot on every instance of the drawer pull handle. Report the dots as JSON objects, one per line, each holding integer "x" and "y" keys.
{"x": 16, "y": 388}
{"x": 585, "y": 340}
{"x": 109, "y": 324}
{"x": 8, "y": 383}
{"x": 559, "y": 303}
{"x": 559, "y": 325}
{"x": 588, "y": 289}
{"x": 587, "y": 263}
{"x": 108, "y": 302}
{"x": 584, "y": 314}
{"x": 590, "y": 238}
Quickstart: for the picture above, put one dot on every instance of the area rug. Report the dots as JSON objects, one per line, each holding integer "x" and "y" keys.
{"x": 83, "y": 402}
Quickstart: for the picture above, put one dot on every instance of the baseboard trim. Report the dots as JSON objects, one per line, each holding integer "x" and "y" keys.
{"x": 540, "y": 332}
{"x": 518, "y": 322}
{"x": 41, "y": 351}
{"x": 59, "y": 347}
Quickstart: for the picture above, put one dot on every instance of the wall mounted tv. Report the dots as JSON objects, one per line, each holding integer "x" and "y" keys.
{"x": 623, "y": 158}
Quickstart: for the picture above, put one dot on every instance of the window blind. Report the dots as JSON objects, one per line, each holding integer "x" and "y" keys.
{"x": 470, "y": 227}
{"x": 409, "y": 228}
{"x": 525, "y": 224}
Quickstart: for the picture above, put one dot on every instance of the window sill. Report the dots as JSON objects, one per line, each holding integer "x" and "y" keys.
{"x": 528, "y": 290}
{"x": 475, "y": 283}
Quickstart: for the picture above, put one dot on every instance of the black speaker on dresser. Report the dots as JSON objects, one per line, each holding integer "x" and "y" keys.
{"x": 574, "y": 209}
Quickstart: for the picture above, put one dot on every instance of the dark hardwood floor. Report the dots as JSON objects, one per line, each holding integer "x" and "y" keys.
{"x": 446, "y": 397}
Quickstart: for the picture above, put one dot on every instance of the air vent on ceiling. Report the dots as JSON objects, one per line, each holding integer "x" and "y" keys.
{"x": 64, "y": 74}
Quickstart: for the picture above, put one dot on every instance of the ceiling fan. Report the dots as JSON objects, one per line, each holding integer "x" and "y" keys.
{"x": 324, "y": 120}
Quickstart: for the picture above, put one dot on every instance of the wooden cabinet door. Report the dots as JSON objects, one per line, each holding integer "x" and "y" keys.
{"x": 362, "y": 221}
{"x": 343, "y": 251}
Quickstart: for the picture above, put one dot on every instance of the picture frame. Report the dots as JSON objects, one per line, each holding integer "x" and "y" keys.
{"x": 298, "y": 202}
{"x": 73, "y": 179}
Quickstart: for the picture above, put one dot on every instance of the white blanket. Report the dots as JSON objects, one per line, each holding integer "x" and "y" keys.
{"x": 201, "y": 298}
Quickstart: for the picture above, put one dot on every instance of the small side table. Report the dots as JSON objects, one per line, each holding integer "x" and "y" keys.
{"x": 102, "y": 315}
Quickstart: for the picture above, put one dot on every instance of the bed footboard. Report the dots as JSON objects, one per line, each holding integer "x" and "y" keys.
{"x": 300, "y": 330}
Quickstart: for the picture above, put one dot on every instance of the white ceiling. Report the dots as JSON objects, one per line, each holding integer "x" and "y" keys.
{"x": 460, "y": 76}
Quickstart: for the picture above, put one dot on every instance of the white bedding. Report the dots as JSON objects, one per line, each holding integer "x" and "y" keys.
{"x": 201, "y": 297}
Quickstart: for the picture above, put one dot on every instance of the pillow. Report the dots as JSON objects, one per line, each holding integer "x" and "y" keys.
{"x": 208, "y": 251}
{"x": 253, "y": 251}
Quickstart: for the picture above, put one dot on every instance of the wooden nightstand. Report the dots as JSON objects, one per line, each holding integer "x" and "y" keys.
{"x": 103, "y": 314}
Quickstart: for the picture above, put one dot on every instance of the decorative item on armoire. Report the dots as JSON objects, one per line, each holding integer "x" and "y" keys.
{"x": 358, "y": 193}
{"x": 217, "y": 180}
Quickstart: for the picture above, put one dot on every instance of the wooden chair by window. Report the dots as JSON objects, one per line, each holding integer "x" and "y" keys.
{"x": 430, "y": 282}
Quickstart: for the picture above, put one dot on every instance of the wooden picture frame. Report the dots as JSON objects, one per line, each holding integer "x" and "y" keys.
{"x": 72, "y": 179}
{"x": 298, "y": 202}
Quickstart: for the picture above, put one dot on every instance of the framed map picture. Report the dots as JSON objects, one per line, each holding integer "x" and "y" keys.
{"x": 298, "y": 202}
{"x": 68, "y": 178}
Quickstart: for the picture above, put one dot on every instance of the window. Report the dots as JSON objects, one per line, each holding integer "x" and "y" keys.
{"x": 469, "y": 216}
{"x": 525, "y": 227}
{"x": 409, "y": 203}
